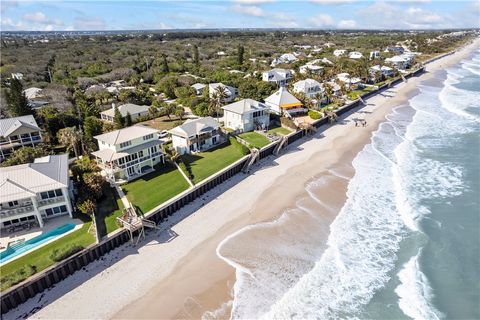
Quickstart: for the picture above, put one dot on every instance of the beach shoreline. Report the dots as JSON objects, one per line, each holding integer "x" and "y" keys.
{"x": 185, "y": 274}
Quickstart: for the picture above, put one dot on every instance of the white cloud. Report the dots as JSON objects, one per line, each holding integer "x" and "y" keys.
{"x": 332, "y": 2}
{"x": 282, "y": 20}
{"x": 249, "y": 10}
{"x": 347, "y": 24}
{"x": 9, "y": 24}
{"x": 38, "y": 17}
{"x": 321, "y": 20}
{"x": 253, "y": 1}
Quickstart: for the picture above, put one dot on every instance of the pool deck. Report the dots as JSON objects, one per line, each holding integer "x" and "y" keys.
{"x": 6, "y": 238}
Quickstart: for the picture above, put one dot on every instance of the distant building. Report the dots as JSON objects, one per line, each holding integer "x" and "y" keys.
{"x": 134, "y": 110}
{"x": 311, "y": 68}
{"x": 350, "y": 82}
{"x": 196, "y": 135}
{"x": 355, "y": 55}
{"x": 129, "y": 153}
{"x": 17, "y": 75}
{"x": 285, "y": 58}
{"x": 386, "y": 71}
{"x": 374, "y": 55}
{"x": 231, "y": 92}
{"x": 283, "y": 101}
{"x": 309, "y": 87}
{"x": 35, "y": 192}
{"x": 246, "y": 115}
{"x": 395, "y": 49}
{"x": 18, "y": 132}
{"x": 199, "y": 87}
{"x": 401, "y": 62}
{"x": 279, "y": 76}
{"x": 339, "y": 52}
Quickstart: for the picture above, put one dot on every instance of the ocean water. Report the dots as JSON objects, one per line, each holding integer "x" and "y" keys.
{"x": 406, "y": 243}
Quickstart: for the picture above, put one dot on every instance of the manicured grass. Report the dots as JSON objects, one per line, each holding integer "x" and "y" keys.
{"x": 205, "y": 164}
{"x": 152, "y": 189}
{"x": 255, "y": 139}
{"x": 280, "y": 131}
{"x": 108, "y": 209}
{"x": 39, "y": 259}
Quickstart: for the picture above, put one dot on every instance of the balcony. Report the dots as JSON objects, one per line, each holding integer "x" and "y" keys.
{"x": 46, "y": 202}
{"x": 16, "y": 211}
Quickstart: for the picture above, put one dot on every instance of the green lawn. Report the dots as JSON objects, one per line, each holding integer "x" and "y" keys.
{"x": 255, "y": 139}
{"x": 204, "y": 164}
{"x": 38, "y": 260}
{"x": 280, "y": 131}
{"x": 109, "y": 208}
{"x": 152, "y": 189}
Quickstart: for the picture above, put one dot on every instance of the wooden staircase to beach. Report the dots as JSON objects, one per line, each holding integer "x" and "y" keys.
{"x": 283, "y": 142}
{"x": 253, "y": 157}
{"x": 131, "y": 221}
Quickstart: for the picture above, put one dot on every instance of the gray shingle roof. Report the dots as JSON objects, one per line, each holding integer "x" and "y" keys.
{"x": 124, "y": 108}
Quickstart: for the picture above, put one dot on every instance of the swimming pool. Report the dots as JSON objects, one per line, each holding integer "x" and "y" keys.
{"x": 17, "y": 249}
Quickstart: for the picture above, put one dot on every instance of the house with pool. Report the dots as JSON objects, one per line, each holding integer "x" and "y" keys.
{"x": 196, "y": 135}
{"x": 129, "y": 153}
{"x": 35, "y": 192}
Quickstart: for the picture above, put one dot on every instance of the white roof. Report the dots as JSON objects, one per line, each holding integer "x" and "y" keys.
{"x": 303, "y": 85}
{"x": 244, "y": 106}
{"x": 282, "y": 97}
{"x": 288, "y": 57}
{"x": 192, "y": 127}
{"x": 355, "y": 55}
{"x": 124, "y": 108}
{"x": 25, "y": 180}
{"x": 213, "y": 86}
{"x": 125, "y": 134}
{"x": 9, "y": 125}
{"x": 32, "y": 93}
{"x": 198, "y": 86}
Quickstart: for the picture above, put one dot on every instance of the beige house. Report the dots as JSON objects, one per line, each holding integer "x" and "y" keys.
{"x": 134, "y": 110}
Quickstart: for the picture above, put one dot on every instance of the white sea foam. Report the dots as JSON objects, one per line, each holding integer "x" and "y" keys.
{"x": 415, "y": 292}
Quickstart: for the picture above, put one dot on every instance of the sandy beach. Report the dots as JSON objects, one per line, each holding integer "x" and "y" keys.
{"x": 176, "y": 272}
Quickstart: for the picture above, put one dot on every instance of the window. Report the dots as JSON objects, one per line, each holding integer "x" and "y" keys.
{"x": 13, "y": 203}
{"x": 51, "y": 194}
{"x": 140, "y": 153}
{"x": 125, "y": 144}
{"x": 7, "y": 223}
{"x": 148, "y": 136}
{"x": 55, "y": 211}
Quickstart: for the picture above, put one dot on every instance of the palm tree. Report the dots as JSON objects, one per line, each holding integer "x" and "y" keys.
{"x": 328, "y": 91}
{"x": 219, "y": 96}
{"x": 70, "y": 137}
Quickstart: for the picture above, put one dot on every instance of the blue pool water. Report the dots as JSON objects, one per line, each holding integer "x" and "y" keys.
{"x": 16, "y": 250}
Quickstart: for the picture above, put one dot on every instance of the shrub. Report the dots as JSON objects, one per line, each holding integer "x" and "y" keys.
{"x": 314, "y": 114}
{"x": 17, "y": 277}
{"x": 63, "y": 253}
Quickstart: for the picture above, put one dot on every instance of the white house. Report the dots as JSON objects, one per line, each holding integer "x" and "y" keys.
{"x": 339, "y": 52}
{"x": 17, "y": 75}
{"x": 128, "y": 153}
{"x": 278, "y": 76}
{"x": 199, "y": 87}
{"x": 32, "y": 93}
{"x": 386, "y": 71}
{"x": 350, "y": 82}
{"x": 336, "y": 89}
{"x": 134, "y": 110}
{"x": 374, "y": 55}
{"x": 34, "y": 192}
{"x": 355, "y": 55}
{"x": 400, "y": 62}
{"x": 196, "y": 135}
{"x": 231, "y": 92}
{"x": 246, "y": 115}
{"x": 18, "y": 132}
{"x": 283, "y": 101}
{"x": 285, "y": 58}
{"x": 311, "y": 68}
{"x": 309, "y": 87}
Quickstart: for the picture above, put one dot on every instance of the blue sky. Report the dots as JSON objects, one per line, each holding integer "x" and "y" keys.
{"x": 316, "y": 14}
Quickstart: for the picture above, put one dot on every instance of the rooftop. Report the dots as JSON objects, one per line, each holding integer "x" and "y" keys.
{"x": 126, "y": 108}
{"x": 25, "y": 180}
{"x": 243, "y": 106}
{"x": 125, "y": 134}
{"x": 8, "y": 126}
{"x": 193, "y": 127}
